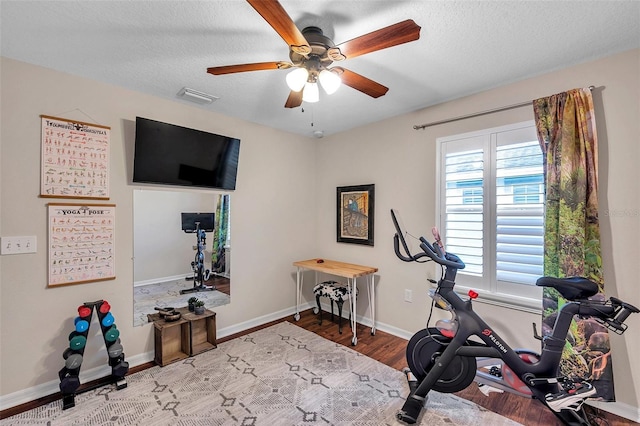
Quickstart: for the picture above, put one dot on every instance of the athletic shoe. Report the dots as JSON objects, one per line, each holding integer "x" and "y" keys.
{"x": 571, "y": 399}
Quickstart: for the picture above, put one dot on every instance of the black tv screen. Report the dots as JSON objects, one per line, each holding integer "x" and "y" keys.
{"x": 191, "y": 222}
{"x": 173, "y": 155}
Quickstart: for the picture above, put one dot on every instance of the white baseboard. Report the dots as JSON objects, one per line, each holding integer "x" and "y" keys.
{"x": 163, "y": 279}
{"x": 237, "y": 328}
{"x": 365, "y": 321}
{"x": 31, "y": 394}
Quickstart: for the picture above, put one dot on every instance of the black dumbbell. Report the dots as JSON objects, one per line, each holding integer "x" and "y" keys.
{"x": 69, "y": 384}
{"x": 67, "y": 352}
{"x": 64, "y": 372}
{"x": 115, "y": 361}
{"x": 120, "y": 370}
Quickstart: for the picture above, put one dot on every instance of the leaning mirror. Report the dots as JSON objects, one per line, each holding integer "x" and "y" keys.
{"x": 181, "y": 250}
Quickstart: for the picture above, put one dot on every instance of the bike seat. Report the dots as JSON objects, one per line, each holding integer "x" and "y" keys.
{"x": 572, "y": 288}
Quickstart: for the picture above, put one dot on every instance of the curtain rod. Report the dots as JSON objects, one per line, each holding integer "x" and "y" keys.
{"x": 477, "y": 114}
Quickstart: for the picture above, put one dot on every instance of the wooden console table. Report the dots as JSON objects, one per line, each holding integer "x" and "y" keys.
{"x": 190, "y": 335}
{"x": 346, "y": 270}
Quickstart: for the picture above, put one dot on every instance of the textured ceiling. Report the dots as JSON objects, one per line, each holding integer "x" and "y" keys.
{"x": 158, "y": 47}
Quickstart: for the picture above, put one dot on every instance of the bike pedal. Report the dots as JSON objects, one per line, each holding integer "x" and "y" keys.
{"x": 495, "y": 371}
{"x": 571, "y": 399}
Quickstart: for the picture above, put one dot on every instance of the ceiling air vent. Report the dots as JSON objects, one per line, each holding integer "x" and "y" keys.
{"x": 196, "y": 96}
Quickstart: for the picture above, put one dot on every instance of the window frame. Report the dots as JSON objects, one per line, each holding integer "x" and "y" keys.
{"x": 514, "y": 295}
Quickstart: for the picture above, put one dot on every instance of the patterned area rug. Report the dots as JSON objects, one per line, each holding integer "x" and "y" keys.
{"x": 147, "y": 297}
{"x": 281, "y": 375}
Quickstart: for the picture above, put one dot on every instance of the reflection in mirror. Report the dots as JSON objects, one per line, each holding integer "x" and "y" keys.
{"x": 166, "y": 256}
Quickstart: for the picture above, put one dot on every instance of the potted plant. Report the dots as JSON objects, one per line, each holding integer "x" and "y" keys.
{"x": 192, "y": 303}
{"x": 199, "y": 307}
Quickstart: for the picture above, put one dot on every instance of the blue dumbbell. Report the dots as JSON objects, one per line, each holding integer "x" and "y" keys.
{"x": 82, "y": 326}
{"x": 108, "y": 320}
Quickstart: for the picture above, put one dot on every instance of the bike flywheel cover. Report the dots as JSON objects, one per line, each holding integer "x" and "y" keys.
{"x": 423, "y": 351}
{"x": 422, "y": 348}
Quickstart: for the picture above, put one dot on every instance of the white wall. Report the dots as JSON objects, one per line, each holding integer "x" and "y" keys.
{"x": 401, "y": 162}
{"x": 273, "y": 220}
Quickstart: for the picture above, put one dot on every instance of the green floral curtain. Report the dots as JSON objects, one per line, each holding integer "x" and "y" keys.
{"x": 220, "y": 235}
{"x": 567, "y": 133}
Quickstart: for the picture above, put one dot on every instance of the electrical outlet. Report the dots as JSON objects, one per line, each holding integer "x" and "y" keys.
{"x": 18, "y": 245}
{"x": 408, "y": 295}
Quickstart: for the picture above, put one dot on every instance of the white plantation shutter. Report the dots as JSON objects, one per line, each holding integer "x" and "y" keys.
{"x": 491, "y": 209}
{"x": 464, "y": 198}
{"x": 519, "y": 212}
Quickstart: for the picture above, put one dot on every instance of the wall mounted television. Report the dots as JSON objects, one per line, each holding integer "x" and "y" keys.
{"x": 168, "y": 154}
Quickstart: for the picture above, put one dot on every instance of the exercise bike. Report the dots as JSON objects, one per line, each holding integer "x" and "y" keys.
{"x": 443, "y": 358}
{"x": 200, "y": 274}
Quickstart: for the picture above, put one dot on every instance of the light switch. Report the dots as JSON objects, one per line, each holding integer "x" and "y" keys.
{"x": 18, "y": 245}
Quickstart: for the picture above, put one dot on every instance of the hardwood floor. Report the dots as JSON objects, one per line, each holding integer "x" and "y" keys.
{"x": 221, "y": 284}
{"x": 389, "y": 350}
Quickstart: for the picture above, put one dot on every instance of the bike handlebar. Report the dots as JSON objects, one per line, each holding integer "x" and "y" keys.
{"x": 406, "y": 258}
{"x": 437, "y": 255}
{"x": 434, "y": 252}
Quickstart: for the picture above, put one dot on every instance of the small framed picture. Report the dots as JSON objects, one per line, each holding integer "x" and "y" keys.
{"x": 355, "y": 214}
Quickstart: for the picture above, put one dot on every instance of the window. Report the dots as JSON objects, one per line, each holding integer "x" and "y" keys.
{"x": 491, "y": 211}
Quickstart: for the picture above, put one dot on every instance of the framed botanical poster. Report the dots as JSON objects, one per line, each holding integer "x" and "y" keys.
{"x": 75, "y": 159}
{"x": 355, "y": 214}
{"x": 81, "y": 243}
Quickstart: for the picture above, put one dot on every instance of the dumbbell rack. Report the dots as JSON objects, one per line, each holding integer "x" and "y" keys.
{"x": 69, "y": 374}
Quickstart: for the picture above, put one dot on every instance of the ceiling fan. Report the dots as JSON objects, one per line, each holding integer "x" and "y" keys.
{"x": 312, "y": 53}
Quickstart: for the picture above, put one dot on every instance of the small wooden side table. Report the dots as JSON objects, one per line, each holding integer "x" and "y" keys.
{"x": 202, "y": 330}
{"x": 172, "y": 340}
{"x": 190, "y": 335}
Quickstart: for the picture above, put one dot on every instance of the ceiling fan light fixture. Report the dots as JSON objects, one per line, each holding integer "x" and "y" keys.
{"x": 329, "y": 81}
{"x": 297, "y": 78}
{"x": 311, "y": 93}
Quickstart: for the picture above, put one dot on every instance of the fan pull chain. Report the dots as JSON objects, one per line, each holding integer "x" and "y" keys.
{"x": 303, "y": 111}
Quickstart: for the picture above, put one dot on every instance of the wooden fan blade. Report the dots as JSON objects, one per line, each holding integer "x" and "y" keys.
{"x": 361, "y": 83}
{"x": 259, "y": 66}
{"x": 273, "y": 12}
{"x": 393, "y": 35}
{"x": 294, "y": 99}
